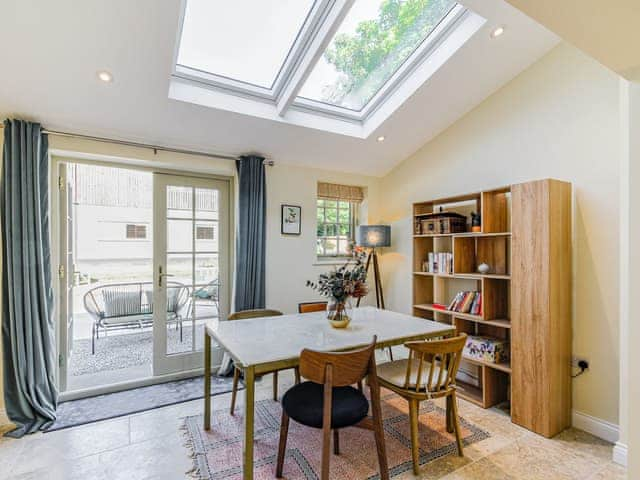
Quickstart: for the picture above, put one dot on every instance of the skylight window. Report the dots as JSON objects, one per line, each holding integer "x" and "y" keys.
{"x": 243, "y": 40}
{"x": 342, "y": 66}
{"x": 373, "y": 41}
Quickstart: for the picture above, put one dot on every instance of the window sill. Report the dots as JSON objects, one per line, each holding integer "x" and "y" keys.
{"x": 333, "y": 261}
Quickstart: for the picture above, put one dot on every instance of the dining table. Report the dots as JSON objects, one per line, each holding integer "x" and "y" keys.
{"x": 267, "y": 344}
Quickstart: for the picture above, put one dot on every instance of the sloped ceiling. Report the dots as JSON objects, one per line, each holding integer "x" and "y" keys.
{"x": 51, "y": 51}
{"x": 609, "y": 31}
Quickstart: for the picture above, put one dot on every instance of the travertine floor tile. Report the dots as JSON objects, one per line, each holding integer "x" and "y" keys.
{"x": 483, "y": 469}
{"x": 47, "y": 449}
{"x": 610, "y": 471}
{"x": 532, "y": 458}
{"x": 579, "y": 441}
{"x": 149, "y": 445}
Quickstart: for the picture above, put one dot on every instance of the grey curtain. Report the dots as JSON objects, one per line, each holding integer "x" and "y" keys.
{"x": 28, "y": 346}
{"x": 250, "y": 244}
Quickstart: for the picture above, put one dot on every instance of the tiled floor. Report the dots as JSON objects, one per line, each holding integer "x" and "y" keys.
{"x": 150, "y": 446}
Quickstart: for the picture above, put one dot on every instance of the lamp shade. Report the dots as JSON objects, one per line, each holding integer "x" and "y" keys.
{"x": 374, "y": 236}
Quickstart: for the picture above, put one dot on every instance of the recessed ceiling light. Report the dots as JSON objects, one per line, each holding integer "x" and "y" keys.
{"x": 381, "y": 138}
{"x": 497, "y": 32}
{"x": 105, "y": 76}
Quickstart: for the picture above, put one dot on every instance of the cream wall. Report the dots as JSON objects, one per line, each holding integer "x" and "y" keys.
{"x": 559, "y": 119}
{"x": 291, "y": 259}
{"x": 628, "y": 445}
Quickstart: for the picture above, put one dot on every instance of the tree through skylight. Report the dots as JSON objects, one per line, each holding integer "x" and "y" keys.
{"x": 374, "y": 40}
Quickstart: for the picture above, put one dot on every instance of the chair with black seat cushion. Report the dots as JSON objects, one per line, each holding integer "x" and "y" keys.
{"x": 328, "y": 401}
{"x": 244, "y": 315}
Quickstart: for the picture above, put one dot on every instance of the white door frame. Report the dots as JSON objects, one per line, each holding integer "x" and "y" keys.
{"x": 179, "y": 362}
{"x": 58, "y": 157}
{"x": 62, "y": 272}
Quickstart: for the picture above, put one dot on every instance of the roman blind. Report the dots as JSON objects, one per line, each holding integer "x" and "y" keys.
{"x": 334, "y": 191}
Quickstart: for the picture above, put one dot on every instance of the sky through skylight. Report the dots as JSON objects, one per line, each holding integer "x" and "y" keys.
{"x": 245, "y": 40}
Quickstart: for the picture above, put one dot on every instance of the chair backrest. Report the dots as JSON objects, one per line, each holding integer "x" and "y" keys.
{"x": 443, "y": 359}
{"x": 125, "y": 299}
{"x": 346, "y": 368}
{"x": 246, "y": 314}
{"x": 308, "y": 307}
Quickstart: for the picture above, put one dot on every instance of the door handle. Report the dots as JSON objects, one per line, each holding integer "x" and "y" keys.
{"x": 161, "y": 275}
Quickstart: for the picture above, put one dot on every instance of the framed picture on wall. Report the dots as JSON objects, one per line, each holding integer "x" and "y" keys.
{"x": 290, "y": 220}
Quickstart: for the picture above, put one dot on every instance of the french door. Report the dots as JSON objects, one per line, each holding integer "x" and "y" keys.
{"x": 191, "y": 232}
{"x": 66, "y": 273}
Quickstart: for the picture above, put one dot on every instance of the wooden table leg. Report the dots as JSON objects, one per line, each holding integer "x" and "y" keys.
{"x": 207, "y": 381}
{"x": 247, "y": 446}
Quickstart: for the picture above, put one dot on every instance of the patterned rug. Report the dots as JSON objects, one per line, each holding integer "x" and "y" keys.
{"x": 218, "y": 454}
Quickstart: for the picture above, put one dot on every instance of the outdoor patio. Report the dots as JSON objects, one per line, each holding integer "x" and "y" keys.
{"x": 126, "y": 354}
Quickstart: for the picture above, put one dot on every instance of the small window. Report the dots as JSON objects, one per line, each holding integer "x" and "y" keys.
{"x": 204, "y": 233}
{"x": 335, "y": 227}
{"x": 135, "y": 231}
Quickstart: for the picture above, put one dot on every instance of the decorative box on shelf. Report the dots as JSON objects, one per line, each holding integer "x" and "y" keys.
{"x": 441, "y": 222}
{"x": 487, "y": 349}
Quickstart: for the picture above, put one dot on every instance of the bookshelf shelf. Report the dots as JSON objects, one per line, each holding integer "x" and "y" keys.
{"x": 519, "y": 287}
{"x": 465, "y": 276}
{"x": 463, "y": 234}
{"x": 504, "y": 367}
{"x": 470, "y": 393}
{"x": 431, "y": 308}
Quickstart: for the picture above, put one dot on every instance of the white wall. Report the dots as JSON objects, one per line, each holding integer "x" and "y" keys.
{"x": 558, "y": 119}
{"x": 291, "y": 260}
{"x": 100, "y": 232}
{"x": 626, "y": 450}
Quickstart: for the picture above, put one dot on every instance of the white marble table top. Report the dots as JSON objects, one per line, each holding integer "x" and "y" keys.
{"x": 265, "y": 340}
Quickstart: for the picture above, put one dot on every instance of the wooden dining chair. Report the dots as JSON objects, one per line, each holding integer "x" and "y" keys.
{"x": 428, "y": 373}
{"x": 244, "y": 315}
{"x": 328, "y": 401}
{"x": 308, "y": 307}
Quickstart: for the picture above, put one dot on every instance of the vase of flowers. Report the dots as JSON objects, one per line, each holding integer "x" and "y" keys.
{"x": 340, "y": 286}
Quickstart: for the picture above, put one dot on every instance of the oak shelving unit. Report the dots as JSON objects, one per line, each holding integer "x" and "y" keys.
{"x": 483, "y": 383}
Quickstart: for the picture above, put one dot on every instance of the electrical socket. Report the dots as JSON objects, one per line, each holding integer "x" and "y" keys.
{"x": 579, "y": 362}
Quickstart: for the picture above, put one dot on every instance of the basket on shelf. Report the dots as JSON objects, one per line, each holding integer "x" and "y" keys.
{"x": 441, "y": 222}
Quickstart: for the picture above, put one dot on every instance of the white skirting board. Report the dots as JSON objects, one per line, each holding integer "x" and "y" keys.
{"x": 595, "y": 426}
{"x": 602, "y": 429}
{"x": 620, "y": 454}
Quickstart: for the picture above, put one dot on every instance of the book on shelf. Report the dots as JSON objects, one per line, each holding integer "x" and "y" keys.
{"x": 467, "y": 302}
{"x": 439, "y": 262}
{"x": 439, "y": 306}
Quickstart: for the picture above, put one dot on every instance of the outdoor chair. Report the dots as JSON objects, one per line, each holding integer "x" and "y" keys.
{"x": 122, "y": 306}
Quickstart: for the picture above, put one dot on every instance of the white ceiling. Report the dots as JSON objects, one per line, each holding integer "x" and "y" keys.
{"x": 51, "y": 52}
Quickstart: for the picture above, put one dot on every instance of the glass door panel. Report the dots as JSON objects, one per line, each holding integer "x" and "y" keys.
{"x": 190, "y": 256}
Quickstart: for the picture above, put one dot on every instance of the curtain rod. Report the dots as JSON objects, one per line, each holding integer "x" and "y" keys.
{"x": 155, "y": 148}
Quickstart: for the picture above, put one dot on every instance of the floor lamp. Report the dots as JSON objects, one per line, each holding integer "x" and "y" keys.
{"x": 375, "y": 236}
